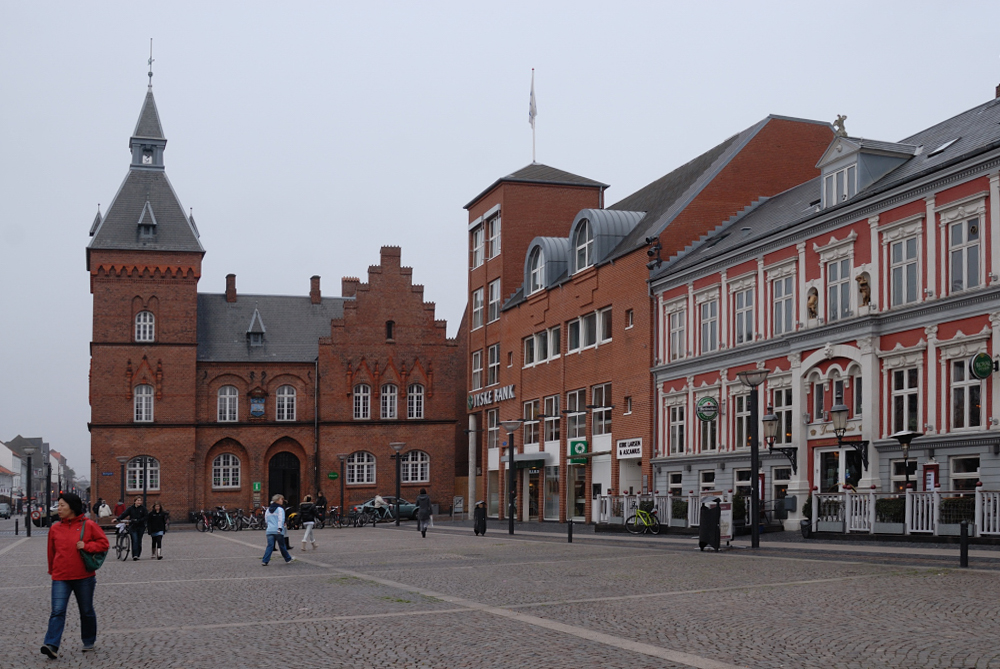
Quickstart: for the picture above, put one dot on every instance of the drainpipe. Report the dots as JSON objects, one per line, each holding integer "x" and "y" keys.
{"x": 316, "y": 429}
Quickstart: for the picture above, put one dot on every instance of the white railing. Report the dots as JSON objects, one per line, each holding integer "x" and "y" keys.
{"x": 987, "y": 512}
{"x": 860, "y": 511}
{"x": 921, "y": 512}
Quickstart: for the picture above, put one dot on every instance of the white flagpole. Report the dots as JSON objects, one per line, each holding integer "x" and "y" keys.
{"x": 532, "y": 113}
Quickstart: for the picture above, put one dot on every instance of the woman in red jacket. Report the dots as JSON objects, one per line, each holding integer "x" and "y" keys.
{"x": 69, "y": 575}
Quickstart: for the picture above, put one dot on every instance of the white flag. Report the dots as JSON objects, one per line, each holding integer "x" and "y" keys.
{"x": 532, "y": 109}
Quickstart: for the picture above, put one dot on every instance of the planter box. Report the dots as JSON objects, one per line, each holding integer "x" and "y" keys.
{"x": 954, "y": 530}
{"x": 830, "y": 526}
{"x": 890, "y": 528}
{"x": 678, "y": 522}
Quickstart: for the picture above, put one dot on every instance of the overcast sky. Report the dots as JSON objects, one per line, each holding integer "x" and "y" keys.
{"x": 307, "y": 136}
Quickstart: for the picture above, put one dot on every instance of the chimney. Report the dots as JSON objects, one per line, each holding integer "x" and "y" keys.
{"x": 314, "y": 295}
{"x": 998, "y": 90}
{"x": 230, "y": 288}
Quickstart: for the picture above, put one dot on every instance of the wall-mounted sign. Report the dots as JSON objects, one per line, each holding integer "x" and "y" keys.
{"x": 256, "y": 486}
{"x": 577, "y": 447}
{"x": 333, "y": 476}
{"x": 629, "y": 448}
{"x": 258, "y": 398}
{"x": 981, "y": 365}
{"x": 707, "y": 409}
{"x": 490, "y": 396}
{"x": 107, "y": 473}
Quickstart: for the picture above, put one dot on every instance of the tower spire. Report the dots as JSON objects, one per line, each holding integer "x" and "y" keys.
{"x": 150, "y": 63}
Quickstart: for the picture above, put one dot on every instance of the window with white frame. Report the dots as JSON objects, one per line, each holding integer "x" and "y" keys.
{"x": 477, "y": 370}
{"x": 573, "y": 335}
{"x": 286, "y": 403}
{"x": 675, "y": 483}
{"x": 781, "y": 403}
{"x": 388, "y": 401}
{"x": 493, "y": 365}
{"x": 576, "y": 423}
{"x": 228, "y": 401}
{"x": 903, "y": 270}
{"x": 898, "y": 477}
{"x": 966, "y": 397}
{"x": 840, "y": 185}
{"x": 531, "y": 422}
{"x": 551, "y": 408}
{"x": 858, "y": 395}
{"x": 964, "y": 241}
{"x": 709, "y": 314}
{"x": 588, "y": 328}
{"x": 838, "y": 391}
{"x": 838, "y": 289}
{"x": 600, "y": 396}
{"x": 741, "y": 483}
{"x": 744, "y": 306}
{"x": 905, "y": 399}
{"x": 819, "y": 401}
{"x": 493, "y": 225}
{"x": 415, "y": 401}
{"x": 706, "y": 480}
{"x": 143, "y": 401}
{"x": 780, "y": 476}
{"x": 360, "y": 468}
{"x": 415, "y": 467}
{"x": 741, "y": 418}
{"x": 476, "y": 242}
{"x": 492, "y": 428}
{"x": 493, "y": 312}
{"x": 676, "y": 430}
{"x": 678, "y": 340}
{"x": 584, "y": 246}
{"x": 964, "y": 473}
{"x": 629, "y": 318}
{"x": 136, "y": 469}
{"x": 477, "y": 308}
{"x": 536, "y": 266}
{"x": 145, "y": 329}
{"x": 555, "y": 343}
{"x": 529, "y": 351}
{"x": 783, "y": 292}
{"x": 226, "y": 471}
{"x": 628, "y": 405}
{"x": 604, "y": 325}
{"x": 362, "y": 401}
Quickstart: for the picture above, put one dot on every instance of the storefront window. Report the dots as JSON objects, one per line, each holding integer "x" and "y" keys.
{"x": 551, "y": 493}
{"x": 578, "y": 491}
{"x": 493, "y": 492}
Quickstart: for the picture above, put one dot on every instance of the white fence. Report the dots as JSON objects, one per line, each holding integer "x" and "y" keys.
{"x": 614, "y": 509}
{"x": 938, "y": 512}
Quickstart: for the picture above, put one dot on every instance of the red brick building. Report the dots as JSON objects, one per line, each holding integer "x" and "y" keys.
{"x": 232, "y": 398}
{"x": 560, "y": 322}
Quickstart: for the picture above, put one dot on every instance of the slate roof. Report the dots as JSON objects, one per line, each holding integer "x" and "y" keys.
{"x": 537, "y": 173}
{"x": 294, "y": 326}
{"x": 149, "y": 119}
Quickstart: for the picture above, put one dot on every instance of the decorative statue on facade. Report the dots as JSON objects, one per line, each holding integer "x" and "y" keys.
{"x": 838, "y": 126}
{"x": 864, "y": 288}
{"x": 812, "y": 303}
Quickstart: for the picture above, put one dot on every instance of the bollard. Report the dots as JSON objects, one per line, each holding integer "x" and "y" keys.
{"x": 569, "y": 531}
{"x": 15, "y": 527}
{"x": 963, "y": 560}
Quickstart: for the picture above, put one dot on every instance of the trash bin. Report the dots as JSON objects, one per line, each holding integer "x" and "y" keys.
{"x": 708, "y": 527}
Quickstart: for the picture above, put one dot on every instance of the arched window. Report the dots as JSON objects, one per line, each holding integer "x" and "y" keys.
{"x": 143, "y": 397}
{"x": 226, "y": 471}
{"x": 584, "y": 245}
{"x": 416, "y": 467}
{"x": 144, "y": 326}
{"x": 135, "y": 469}
{"x": 415, "y": 401}
{"x": 228, "y": 401}
{"x": 286, "y": 403}
{"x": 362, "y": 401}
{"x": 388, "y": 401}
{"x": 361, "y": 467}
{"x": 536, "y": 263}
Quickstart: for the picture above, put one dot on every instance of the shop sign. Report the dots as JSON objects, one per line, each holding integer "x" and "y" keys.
{"x": 333, "y": 476}
{"x": 708, "y": 409}
{"x": 578, "y": 447}
{"x": 629, "y": 448}
{"x": 981, "y": 365}
{"x": 256, "y": 486}
{"x": 490, "y": 396}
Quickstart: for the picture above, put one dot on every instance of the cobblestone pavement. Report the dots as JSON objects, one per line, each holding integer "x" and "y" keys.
{"x": 384, "y": 597}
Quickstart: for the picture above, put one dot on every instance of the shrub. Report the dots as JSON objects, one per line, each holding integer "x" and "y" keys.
{"x": 957, "y": 509}
{"x": 739, "y": 509}
{"x": 807, "y": 508}
{"x": 647, "y": 505}
{"x": 890, "y": 510}
{"x": 679, "y": 508}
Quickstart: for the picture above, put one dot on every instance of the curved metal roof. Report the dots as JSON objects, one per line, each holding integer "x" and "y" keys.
{"x": 555, "y": 256}
{"x": 610, "y": 226}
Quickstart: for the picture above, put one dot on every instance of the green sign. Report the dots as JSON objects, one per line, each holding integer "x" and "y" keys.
{"x": 333, "y": 476}
{"x": 981, "y": 365}
{"x": 708, "y": 409}
{"x": 578, "y": 447}
{"x": 256, "y": 486}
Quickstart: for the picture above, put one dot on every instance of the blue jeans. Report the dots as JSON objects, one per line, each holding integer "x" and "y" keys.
{"x": 280, "y": 539}
{"x": 84, "y": 591}
{"x": 136, "y": 541}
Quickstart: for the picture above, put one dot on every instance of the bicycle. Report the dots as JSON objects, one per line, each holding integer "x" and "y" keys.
{"x": 123, "y": 541}
{"x": 204, "y": 522}
{"x": 642, "y": 521}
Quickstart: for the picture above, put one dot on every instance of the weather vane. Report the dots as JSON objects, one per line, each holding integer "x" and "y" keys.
{"x": 150, "y": 62}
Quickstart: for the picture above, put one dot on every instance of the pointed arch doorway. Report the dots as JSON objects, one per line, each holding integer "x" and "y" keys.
{"x": 283, "y": 478}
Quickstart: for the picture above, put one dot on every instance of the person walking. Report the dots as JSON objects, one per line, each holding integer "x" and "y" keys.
{"x": 423, "y": 502}
{"x": 119, "y": 508}
{"x": 67, "y": 537}
{"x": 137, "y": 525}
{"x": 275, "y": 519}
{"x": 97, "y": 507}
{"x": 156, "y": 523}
{"x": 321, "y": 506}
{"x": 307, "y": 514}
{"x": 479, "y": 518}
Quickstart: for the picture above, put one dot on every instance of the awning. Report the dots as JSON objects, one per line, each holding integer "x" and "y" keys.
{"x": 531, "y": 460}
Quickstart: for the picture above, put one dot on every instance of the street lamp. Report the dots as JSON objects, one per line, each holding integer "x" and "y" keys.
{"x": 48, "y": 491}
{"x": 772, "y": 424}
{"x": 122, "y": 459}
{"x": 397, "y": 446}
{"x": 511, "y": 426}
{"x": 751, "y": 379}
{"x": 838, "y": 415}
{"x": 904, "y": 437}
{"x": 29, "y": 451}
{"x": 342, "y": 457}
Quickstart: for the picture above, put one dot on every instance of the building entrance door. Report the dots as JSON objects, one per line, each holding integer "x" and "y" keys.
{"x": 283, "y": 478}
{"x": 577, "y": 493}
{"x": 533, "y": 494}
{"x": 837, "y": 468}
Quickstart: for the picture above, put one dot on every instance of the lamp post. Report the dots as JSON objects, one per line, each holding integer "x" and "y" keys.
{"x": 29, "y": 451}
{"x": 145, "y": 477}
{"x": 904, "y": 437}
{"x": 751, "y": 379}
{"x": 342, "y": 457}
{"x": 122, "y": 459}
{"x": 511, "y": 426}
{"x": 397, "y": 446}
{"x": 838, "y": 415}
{"x": 48, "y": 491}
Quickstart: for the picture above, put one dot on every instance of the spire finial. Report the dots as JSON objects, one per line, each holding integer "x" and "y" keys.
{"x": 150, "y": 63}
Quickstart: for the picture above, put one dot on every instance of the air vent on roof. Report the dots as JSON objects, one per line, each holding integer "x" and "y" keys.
{"x": 814, "y": 203}
{"x": 745, "y": 231}
{"x": 943, "y": 147}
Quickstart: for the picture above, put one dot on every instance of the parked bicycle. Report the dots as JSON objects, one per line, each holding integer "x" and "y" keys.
{"x": 642, "y": 521}
{"x": 333, "y": 517}
{"x": 205, "y": 522}
{"x": 123, "y": 541}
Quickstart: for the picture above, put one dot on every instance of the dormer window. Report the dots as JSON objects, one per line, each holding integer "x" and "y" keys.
{"x": 536, "y": 263}
{"x": 256, "y": 338}
{"x": 840, "y": 185}
{"x": 584, "y": 246}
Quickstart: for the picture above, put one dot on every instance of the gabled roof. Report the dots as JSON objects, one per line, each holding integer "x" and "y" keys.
{"x": 256, "y": 323}
{"x": 148, "y": 125}
{"x": 854, "y": 144}
{"x": 537, "y": 173}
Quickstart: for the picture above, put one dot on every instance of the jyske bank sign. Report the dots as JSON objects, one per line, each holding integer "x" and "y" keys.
{"x": 488, "y": 397}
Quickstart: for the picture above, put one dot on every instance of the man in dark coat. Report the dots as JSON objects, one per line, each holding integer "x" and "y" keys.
{"x": 137, "y": 527}
{"x": 321, "y": 505}
{"x": 479, "y": 518}
{"x": 423, "y": 502}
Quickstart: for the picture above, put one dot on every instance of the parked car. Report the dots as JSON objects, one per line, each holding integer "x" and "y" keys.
{"x": 4, "y": 510}
{"x": 406, "y": 509}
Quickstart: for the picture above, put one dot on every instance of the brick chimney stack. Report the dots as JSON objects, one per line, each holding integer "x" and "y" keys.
{"x": 998, "y": 90}
{"x": 230, "y": 288}
{"x": 314, "y": 295}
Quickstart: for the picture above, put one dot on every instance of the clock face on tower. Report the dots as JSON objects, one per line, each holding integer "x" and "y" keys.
{"x": 147, "y": 158}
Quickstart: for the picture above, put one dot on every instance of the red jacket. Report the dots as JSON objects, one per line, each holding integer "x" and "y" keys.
{"x": 65, "y": 563}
